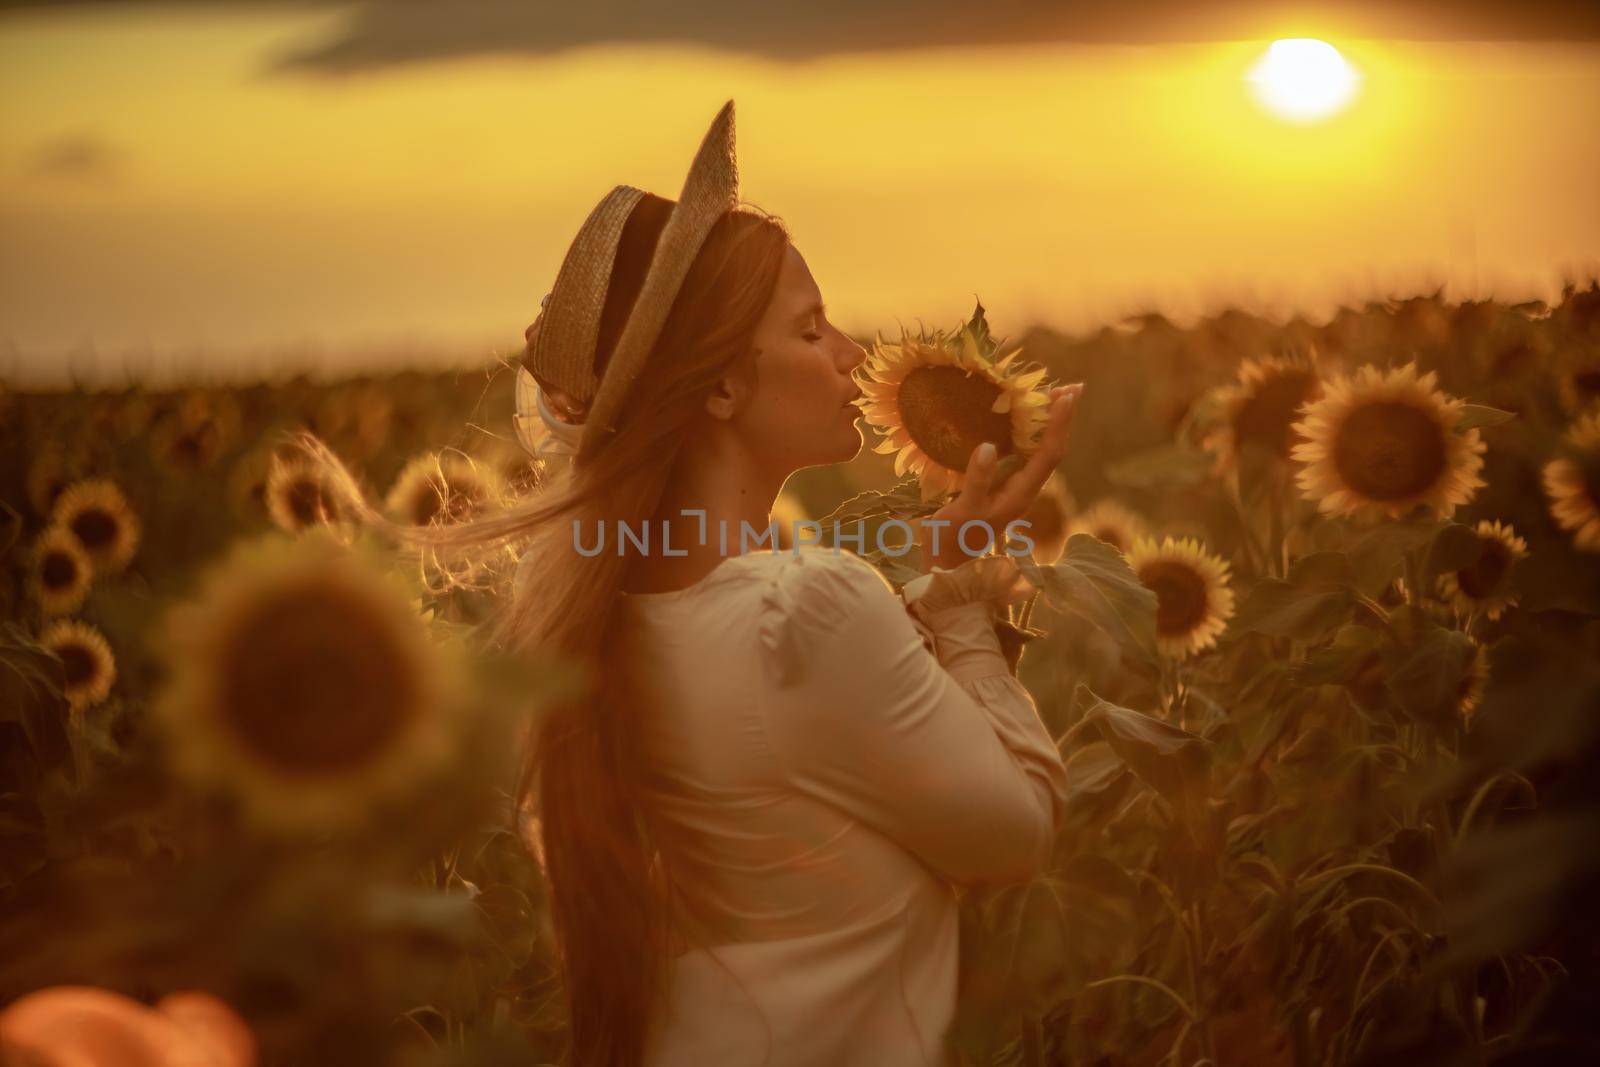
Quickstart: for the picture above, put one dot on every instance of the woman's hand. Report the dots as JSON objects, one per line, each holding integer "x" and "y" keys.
{"x": 997, "y": 505}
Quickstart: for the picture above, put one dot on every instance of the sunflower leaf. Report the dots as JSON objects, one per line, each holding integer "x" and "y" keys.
{"x": 1316, "y": 597}
{"x": 1093, "y": 581}
{"x": 1476, "y": 415}
{"x": 1171, "y": 760}
{"x": 1456, "y": 547}
{"x": 977, "y": 327}
{"x": 900, "y": 501}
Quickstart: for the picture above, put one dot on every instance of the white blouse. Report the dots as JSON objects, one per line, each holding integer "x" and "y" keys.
{"x": 826, "y": 766}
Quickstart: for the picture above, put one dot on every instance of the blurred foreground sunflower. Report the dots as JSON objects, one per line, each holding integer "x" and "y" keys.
{"x": 299, "y": 495}
{"x": 443, "y": 487}
{"x": 61, "y": 571}
{"x": 305, "y": 683}
{"x": 935, "y": 400}
{"x": 98, "y": 514}
{"x": 1108, "y": 521}
{"x": 85, "y": 655}
{"x": 1193, "y": 600}
{"x": 1485, "y": 586}
{"x": 1572, "y": 482}
{"x": 1260, "y": 408}
{"x": 1379, "y": 444}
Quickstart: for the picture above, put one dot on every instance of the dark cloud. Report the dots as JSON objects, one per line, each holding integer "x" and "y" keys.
{"x": 383, "y": 33}
{"x": 75, "y": 157}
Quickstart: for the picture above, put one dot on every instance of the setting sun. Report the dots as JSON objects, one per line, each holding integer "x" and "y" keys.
{"x": 1303, "y": 79}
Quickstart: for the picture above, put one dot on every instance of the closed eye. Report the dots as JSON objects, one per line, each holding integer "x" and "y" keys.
{"x": 813, "y": 337}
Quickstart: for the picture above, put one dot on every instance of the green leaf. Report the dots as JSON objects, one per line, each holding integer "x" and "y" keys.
{"x": 1172, "y": 761}
{"x": 1454, "y": 548}
{"x": 903, "y": 500}
{"x": 1316, "y": 597}
{"x": 1476, "y": 415}
{"x": 1094, "y": 582}
{"x": 1376, "y": 554}
{"x": 1426, "y": 667}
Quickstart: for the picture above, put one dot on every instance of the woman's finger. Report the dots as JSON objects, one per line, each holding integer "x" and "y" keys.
{"x": 979, "y": 479}
{"x": 1018, "y": 493}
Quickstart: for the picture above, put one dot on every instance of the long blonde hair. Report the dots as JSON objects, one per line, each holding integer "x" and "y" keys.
{"x": 582, "y": 769}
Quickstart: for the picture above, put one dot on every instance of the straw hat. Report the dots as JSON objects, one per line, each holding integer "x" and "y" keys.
{"x": 562, "y": 351}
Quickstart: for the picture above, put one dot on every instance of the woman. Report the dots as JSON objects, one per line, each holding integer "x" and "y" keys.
{"x": 754, "y": 822}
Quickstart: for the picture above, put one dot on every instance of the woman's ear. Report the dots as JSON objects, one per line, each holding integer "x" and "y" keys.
{"x": 729, "y": 395}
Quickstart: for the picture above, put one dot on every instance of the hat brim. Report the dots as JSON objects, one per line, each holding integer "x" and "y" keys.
{"x": 710, "y": 191}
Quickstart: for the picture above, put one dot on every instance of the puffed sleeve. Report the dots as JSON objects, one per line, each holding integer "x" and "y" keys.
{"x": 945, "y": 755}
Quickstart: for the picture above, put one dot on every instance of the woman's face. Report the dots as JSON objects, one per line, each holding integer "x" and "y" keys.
{"x": 802, "y": 412}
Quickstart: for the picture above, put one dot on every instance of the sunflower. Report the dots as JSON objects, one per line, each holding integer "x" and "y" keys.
{"x": 443, "y": 487}
{"x": 305, "y": 683}
{"x": 98, "y": 515}
{"x": 1047, "y": 519}
{"x": 1572, "y": 482}
{"x": 299, "y": 495}
{"x": 520, "y": 472}
{"x": 54, "y": 467}
{"x": 61, "y": 571}
{"x": 1193, "y": 601}
{"x": 196, "y": 432}
{"x": 1486, "y": 585}
{"x": 1109, "y": 521}
{"x": 1259, "y": 409}
{"x": 1578, "y": 382}
{"x": 90, "y": 667}
{"x": 247, "y": 483}
{"x": 1474, "y": 682}
{"x": 356, "y": 418}
{"x": 1380, "y": 444}
{"x": 934, "y": 402}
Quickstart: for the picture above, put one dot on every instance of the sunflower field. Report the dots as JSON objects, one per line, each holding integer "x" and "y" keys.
{"x": 1316, "y": 626}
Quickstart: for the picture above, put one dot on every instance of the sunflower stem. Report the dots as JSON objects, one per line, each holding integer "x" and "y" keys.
{"x": 1414, "y": 577}
{"x": 1027, "y": 611}
{"x": 1252, "y": 544}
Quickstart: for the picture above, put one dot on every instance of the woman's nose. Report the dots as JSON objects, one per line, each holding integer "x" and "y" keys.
{"x": 854, "y": 354}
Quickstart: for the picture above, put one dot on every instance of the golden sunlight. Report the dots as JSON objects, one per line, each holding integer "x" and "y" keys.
{"x": 1303, "y": 79}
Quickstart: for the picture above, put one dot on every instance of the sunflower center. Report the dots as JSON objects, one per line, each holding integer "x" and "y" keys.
{"x": 314, "y": 684}
{"x": 1181, "y": 599}
{"x": 947, "y": 412}
{"x": 1590, "y": 469}
{"x": 1267, "y": 416}
{"x": 58, "y": 570}
{"x": 79, "y": 662}
{"x": 1389, "y": 450}
{"x": 1484, "y": 577}
{"x": 94, "y": 528}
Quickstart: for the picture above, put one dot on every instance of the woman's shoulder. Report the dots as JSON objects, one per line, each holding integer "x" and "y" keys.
{"x": 815, "y": 591}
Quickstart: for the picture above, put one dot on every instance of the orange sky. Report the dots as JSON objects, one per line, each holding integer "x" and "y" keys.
{"x": 164, "y": 205}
